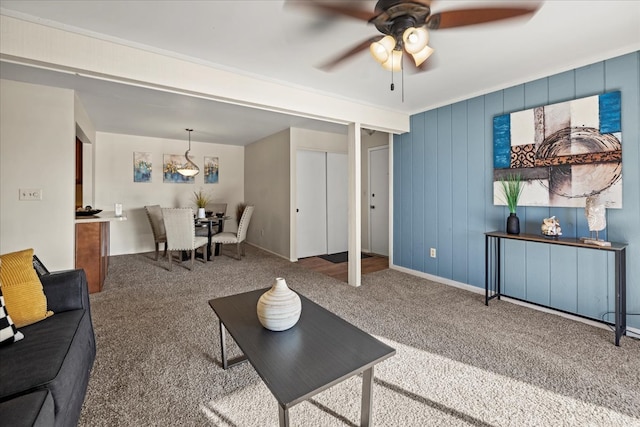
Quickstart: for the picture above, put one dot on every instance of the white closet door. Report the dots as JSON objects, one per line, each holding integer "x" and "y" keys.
{"x": 379, "y": 200}
{"x": 311, "y": 195}
{"x": 337, "y": 203}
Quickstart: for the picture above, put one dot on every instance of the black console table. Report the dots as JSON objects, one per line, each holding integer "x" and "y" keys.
{"x": 492, "y": 269}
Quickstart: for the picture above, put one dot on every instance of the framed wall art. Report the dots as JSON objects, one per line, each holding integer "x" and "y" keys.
{"x": 563, "y": 152}
{"x": 142, "y": 167}
{"x": 210, "y": 170}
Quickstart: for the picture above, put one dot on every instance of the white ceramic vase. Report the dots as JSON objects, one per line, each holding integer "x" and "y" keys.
{"x": 279, "y": 308}
{"x": 201, "y": 213}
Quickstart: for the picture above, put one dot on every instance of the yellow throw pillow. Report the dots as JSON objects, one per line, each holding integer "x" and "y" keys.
{"x": 23, "y": 295}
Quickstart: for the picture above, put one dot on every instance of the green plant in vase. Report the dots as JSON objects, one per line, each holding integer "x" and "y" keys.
{"x": 201, "y": 200}
{"x": 512, "y": 187}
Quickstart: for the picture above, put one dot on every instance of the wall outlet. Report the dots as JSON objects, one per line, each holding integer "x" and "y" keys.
{"x": 30, "y": 194}
{"x": 432, "y": 252}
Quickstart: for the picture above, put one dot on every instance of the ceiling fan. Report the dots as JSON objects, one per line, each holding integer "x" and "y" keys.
{"x": 404, "y": 25}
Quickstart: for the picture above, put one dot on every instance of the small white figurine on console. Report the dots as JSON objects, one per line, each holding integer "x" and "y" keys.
{"x": 551, "y": 227}
{"x": 595, "y": 211}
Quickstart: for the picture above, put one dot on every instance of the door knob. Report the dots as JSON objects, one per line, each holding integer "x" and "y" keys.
{"x": 372, "y": 207}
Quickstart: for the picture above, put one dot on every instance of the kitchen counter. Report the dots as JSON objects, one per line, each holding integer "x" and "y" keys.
{"x": 101, "y": 217}
{"x": 92, "y": 246}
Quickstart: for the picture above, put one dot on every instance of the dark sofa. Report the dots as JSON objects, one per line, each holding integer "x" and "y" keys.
{"x": 44, "y": 377}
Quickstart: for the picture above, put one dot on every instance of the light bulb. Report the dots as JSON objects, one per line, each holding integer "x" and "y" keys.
{"x": 381, "y": 49}
{"x": 415, "y": 39}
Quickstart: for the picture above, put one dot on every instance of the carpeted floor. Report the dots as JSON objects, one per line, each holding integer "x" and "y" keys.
{"x": 458, "y": 362}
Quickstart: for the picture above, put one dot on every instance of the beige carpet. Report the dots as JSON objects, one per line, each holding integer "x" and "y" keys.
{"x": 458, "y": 363}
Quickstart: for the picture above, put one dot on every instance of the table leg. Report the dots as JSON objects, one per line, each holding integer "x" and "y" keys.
{"x": 283, "y": 414}
{"x": 209, "y": 234}
{"x": 620, "y": 300}
{"x": 226, "y": 364}
{"x": 486, "y": 270}
{"x": 223, "y": 346}
{"x": 367, "y": 397}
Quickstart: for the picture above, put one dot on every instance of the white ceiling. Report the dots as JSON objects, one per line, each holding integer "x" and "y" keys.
{"x": 274, "y": 42}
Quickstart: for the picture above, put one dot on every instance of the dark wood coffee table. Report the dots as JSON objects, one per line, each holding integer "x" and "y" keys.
{"x": 320, "y": 351}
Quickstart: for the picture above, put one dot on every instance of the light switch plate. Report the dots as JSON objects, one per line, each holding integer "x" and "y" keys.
{"x": 30, "y": 194}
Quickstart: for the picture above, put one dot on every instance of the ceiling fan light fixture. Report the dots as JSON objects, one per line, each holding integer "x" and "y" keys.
{"x": 394, "y": 63}
{"x": 189, "y": 168}
{"x": 421, "y": 56}
{"x": 381, "y": 50}
{"x": 415, "y": 39}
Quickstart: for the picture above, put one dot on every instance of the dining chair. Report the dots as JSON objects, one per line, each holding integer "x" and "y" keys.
{"x": 154, "y": 213}
{"x": 180, "y": 227}
{"x": 239, "y": 237}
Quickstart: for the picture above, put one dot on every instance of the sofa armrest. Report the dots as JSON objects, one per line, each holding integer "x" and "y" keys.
{"x": 66, "y": 290}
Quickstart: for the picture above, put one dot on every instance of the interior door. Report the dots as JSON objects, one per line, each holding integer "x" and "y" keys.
{"x": 311, "y": 196}
{"x": 379, "y": 200}
{"x": 337, "y": 203}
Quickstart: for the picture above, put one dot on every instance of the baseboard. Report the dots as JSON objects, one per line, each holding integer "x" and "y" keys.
{"x": 271, "y": 252}
{"x": 635, "y": 332}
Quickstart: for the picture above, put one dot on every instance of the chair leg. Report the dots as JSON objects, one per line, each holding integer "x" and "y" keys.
{"x": 157, "y": 250}
{"x": 242, "y": 243}
{"x": 170, "y": 261}
{"x": 193, "y": 257}
{"x": 238, "y": 251}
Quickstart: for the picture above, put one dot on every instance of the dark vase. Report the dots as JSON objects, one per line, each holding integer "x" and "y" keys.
{"x": 513, "y": 224}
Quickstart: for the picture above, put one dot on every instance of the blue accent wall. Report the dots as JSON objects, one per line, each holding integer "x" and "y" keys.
{"x": 443, "y": 197}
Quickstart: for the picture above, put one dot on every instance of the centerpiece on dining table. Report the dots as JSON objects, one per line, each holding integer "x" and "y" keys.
{"x": 201, "y": 200}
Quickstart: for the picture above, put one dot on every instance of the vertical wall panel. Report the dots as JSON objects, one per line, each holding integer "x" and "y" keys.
{"x": 407, "y": 203}
{"x": 418, "y": 219}
{"x": 562, "y": 87}
{"x": 444, "y": 249}
{"x": 538, "y": 282}
{"x": 514, "y": 269}
{"x": 476, "y": 195}
{"x": 589, "y": 81}
{"x": 623, "y": 225}
{"x": 431, "y": 187}
{"x": 397, "y": 200}
{"x": 565, "y": 278}
{"x": 459, "y": 216}
{"x": 592, "y": 270}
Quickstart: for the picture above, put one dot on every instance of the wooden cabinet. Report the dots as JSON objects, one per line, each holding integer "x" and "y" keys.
{"x": 92, "y": 252}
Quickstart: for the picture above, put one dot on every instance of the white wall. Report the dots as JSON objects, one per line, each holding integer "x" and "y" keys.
{"x": 37, "y": 150}
{"x": 267, "y": 187}
{"x": 114, "y": 183}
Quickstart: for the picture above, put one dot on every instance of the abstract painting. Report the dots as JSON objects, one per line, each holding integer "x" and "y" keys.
{"x": 170, "y": 165}
{"x": 141, "y": 167}
{"x": 563, "y": 152}
{"x": 210, "y": 170}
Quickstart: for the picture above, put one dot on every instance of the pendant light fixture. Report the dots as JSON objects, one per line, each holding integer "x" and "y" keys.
{"x": 189, "y": 168}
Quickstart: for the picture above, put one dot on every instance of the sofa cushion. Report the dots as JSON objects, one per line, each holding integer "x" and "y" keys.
{"x": 8, "y": 331}
{"x": 22, "y": 289}
{"x": 35, "y": 361}
{"x": 30, "y": 410}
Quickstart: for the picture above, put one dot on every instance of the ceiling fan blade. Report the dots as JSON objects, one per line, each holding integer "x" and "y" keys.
{"x": 345, "y": 9}
{"x": 463, "y": 17}
{"x": 327, "y": 66}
